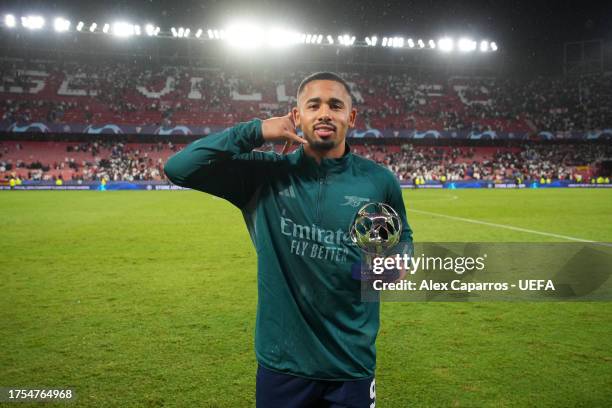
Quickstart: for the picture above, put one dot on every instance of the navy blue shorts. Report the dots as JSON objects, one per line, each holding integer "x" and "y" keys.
{"x": 277, "y": 390}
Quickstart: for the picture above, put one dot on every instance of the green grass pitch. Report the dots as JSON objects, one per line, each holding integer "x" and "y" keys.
{"x": 148, "y": 299}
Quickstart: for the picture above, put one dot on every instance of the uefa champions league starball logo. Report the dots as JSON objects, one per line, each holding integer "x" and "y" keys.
{"x": 376, "y": 228}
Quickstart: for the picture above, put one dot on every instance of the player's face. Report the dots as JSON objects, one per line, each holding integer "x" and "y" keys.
{"x": 324, "y": 113}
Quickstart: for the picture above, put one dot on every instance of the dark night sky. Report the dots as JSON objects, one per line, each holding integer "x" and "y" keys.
{"x": 528, "y": 29}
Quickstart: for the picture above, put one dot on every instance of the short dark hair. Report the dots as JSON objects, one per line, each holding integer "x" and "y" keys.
{"x": 324, "y": 76}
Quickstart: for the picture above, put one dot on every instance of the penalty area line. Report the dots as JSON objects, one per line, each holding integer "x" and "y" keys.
{"x": 510, "y": 227}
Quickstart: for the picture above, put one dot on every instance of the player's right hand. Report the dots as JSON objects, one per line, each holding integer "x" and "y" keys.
{"x": 281, "y": 129}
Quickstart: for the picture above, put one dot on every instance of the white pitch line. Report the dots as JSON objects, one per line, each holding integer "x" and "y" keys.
{"x": 451, "y": 198}
{"x": 510, "y": 227}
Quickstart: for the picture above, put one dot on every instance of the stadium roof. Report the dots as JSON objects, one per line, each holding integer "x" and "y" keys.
{"x": 531, "y": 31}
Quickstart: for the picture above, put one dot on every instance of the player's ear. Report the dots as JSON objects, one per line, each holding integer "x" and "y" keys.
{"x": 296, "y": 116}
{"x": 352, "y": 117}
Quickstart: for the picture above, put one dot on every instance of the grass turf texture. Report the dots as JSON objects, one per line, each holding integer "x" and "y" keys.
{"x": 148, "y": 299}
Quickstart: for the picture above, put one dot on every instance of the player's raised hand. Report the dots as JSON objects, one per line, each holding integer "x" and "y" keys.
{"x": 281, "y": 129}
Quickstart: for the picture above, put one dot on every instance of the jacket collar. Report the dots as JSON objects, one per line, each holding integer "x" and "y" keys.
{"x": 327, "y": 165}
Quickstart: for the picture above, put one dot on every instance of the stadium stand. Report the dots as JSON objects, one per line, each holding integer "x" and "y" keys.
{"x": 144, "y": 161}
{"x": 71, "y": 92}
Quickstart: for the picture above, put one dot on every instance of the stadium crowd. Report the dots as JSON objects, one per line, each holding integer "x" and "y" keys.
{"x": 123, "y": 93}
{"x": 109, "y": 160}
{"x": 556, "y": 162}
{"x": 115, "y": 161}
{"x": 68, "y": 92}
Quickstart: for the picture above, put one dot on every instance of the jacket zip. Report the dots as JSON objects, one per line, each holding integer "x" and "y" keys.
{"x": 319, "y": 199}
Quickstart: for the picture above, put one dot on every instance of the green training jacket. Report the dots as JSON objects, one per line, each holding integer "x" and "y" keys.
{"x": 310, "y": 318}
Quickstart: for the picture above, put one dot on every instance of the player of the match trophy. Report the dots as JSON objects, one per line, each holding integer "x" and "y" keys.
{"x": 376, "y": 230}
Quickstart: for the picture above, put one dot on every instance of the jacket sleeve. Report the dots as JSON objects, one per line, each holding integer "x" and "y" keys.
{"x": 221, "y": 164}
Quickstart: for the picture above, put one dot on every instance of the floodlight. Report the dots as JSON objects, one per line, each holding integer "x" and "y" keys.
{"x": 467, "y": 45}
{"x": 174, "y": 32}
{"x": 411, "y": 43}
{"x": 150, "y": 30}
{"x": 137, "y": 29}
{"x": 92, "y": 27}
{"x": 330, "y": 39}
{"x": 9, "y": 21}
{"x": 493, "y": 46}
{"x": 384, "y": 42}
{"x": 432, "y": 44}
{"x": 446, "y": 44}
{"x": 244, "y": 35}
{"x": 198, "y": 33}
{"x": 187, "y": 31}
{"x": 278, "y": 38}
{"x": 421, "y": 43}
{"x": 60, "y": 24}
{"x": 275, "y": 38}
{"x": 33, "y": 22}
{"x": 346, "y": 40}
{"x": 484, "y": 46}
{"x": 371, "y": 41}
{"x": 79, "y": 26}
{"x": 106, "y": 28}
{"x": 123, "y": 29}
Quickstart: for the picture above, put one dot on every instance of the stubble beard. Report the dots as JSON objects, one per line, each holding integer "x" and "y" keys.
{"x": 322, "y": 145}
{"x": 319, "y": 144}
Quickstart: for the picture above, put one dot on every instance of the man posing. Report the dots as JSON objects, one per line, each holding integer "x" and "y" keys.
{"x": 314, "y": 338}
